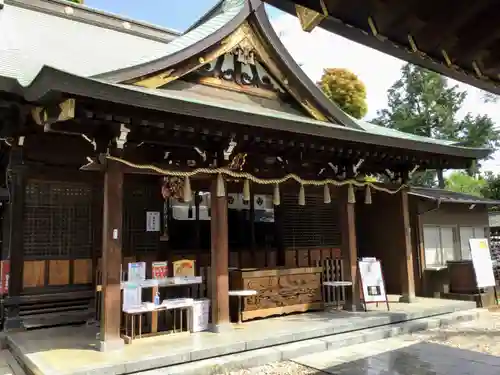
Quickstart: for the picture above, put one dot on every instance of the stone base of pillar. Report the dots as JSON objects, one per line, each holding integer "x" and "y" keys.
{"x": 111, "y": 345}
{"x": 407, "y": 298}
{"x": 352, "y": 307}
{"x": 221, "y": 328}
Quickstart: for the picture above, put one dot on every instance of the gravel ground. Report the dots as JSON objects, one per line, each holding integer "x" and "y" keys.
{"x": 481, "y": 335}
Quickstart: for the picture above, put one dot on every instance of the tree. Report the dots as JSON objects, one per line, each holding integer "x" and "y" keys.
{"x": 346, "y": 90}
{"x": 422, "y": 102}
{"x": 492, "y": 188}
{"x": 461, "y": 182}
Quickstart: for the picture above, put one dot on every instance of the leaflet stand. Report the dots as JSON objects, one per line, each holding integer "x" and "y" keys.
{"x": 372, "y": 282}
{"x": 483, "y": 266}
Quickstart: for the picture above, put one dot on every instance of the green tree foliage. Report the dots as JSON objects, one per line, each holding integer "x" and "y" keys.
{"x": 422, "y": 102}
{"x": 492, "y": 189}
{"x": 345, "y": 89}
{"x": 462, "y": 182}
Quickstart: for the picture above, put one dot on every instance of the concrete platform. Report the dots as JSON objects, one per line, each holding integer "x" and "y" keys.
{"x": 72, "y": 350}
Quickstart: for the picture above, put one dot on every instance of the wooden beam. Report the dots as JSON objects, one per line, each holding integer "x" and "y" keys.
{"x": 112, "y": 256}
{"x": 219, "y": 274}
{"x": 407, "y": 266}
{"x": 15, "y": 230}
{"x": 349, "y": 250}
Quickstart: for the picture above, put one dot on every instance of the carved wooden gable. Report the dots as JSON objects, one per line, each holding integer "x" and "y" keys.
{"x": 242, "y": 62}
{"x": 239, "y": 70}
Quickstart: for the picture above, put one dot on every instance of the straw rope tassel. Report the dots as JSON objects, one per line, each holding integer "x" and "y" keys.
{"x": 326, "y": 194}
{"x": 246, "y": 190}
{"x": 302, "y": 196}
{"x": 368, "y": 195}
{"x": 187, "y": 194}
{"x": 221, "y": 191}
{"x": 351, "y": 197}
{"x": 276, "y": 195}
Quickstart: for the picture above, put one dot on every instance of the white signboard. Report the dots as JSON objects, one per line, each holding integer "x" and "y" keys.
{"x": 137, "y": 271}
{"x": 481, "y": 259}
{"x": 201, "y": 310}
{"x": 132, "y": 296}
{"x": 372, "y": 280}
{"x": 152, "y": 221}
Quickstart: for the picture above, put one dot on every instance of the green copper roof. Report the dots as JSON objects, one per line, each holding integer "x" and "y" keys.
{"x": 382, "y": 130}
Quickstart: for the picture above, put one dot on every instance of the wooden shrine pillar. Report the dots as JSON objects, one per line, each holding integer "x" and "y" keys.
{"x": 219, "y": 260}
{"x": 112, "y": 257}
{"x": 15, "y": 241}
{"x": 406, "y": 258}
{"x": 349, "y": 250}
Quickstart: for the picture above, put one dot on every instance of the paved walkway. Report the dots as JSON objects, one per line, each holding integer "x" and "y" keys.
{"x": 469, "y": 348}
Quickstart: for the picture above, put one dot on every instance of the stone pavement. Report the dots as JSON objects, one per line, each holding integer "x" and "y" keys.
{"x": 468, "y": 348}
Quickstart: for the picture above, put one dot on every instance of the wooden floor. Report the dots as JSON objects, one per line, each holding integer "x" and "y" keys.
{"x": 72, "y": 350}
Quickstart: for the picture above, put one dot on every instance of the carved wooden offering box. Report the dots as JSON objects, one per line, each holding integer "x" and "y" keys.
{"x": 279, "y": 290}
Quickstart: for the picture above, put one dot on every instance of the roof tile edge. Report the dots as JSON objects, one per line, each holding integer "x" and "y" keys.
{"x": 85, "y": 14}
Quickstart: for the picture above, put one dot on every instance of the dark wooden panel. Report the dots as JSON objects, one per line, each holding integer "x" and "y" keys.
{"x": 59, "y": 272}
{"x": 34, "y": 274}
{"x": 82, "y": 271}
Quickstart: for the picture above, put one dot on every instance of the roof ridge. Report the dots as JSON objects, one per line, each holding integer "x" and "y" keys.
{"x": 85, "y": 14}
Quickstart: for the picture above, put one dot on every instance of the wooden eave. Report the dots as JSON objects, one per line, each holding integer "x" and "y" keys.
{"x": 254, "y": 15}
{"x": 457, "y": 39}
{"x": 51, "y": 82}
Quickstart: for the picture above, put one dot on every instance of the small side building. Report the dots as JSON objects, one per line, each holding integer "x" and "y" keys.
{"x": 442, "y": 223}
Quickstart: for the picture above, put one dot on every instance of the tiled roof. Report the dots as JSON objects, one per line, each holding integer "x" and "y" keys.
{"x": 446, "y": 196}
{"x": 67, "y": 44}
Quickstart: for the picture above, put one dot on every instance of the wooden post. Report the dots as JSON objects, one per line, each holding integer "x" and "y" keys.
{"x": 407, "y": 267}
{"x": 279, "y": 236}
{"x": 350, "y": 251}
{"x": 15, "y": 233}
{"x": 219, "y": 261}
{"x": 112, "y": 257}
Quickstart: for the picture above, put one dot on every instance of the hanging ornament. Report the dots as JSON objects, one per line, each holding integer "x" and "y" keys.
{"x": 246, "y": 190}
{"x": 302, "y": 196}
{"x": 187, "y": 194}
{"x": 221, "y": 191}
{"x": 276, "y": 195}
{"x": 368, "y": 195}
{"x": 326, "y": 194}
{"x": 351, "y": 197}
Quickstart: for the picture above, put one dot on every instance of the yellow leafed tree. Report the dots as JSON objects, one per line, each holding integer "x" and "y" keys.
{"x": 344, "y": 88}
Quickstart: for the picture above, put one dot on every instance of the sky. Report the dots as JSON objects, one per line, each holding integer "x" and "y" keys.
{"x": 313, "y": 51}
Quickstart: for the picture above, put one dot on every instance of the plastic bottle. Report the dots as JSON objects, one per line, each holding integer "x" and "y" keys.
{"x": 157, "y": 299}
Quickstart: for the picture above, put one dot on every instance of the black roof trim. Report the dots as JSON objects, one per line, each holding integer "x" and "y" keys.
{"x": 150, "y": 67}
{"x": 446, "y": 196}
{"x": 389, "y": 47}
{"x": 51, "y": 81}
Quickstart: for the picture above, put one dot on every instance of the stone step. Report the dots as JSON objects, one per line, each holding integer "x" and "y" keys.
{"x": 9, "y": 365}
{"x": 277, "y": 353}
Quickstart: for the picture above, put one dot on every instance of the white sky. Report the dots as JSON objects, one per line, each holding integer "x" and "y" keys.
{"x": 321, "y": 49}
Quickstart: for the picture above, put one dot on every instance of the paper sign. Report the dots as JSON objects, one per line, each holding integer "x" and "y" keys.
{"x": 481, "y": 260}
{"x": 372, "y": 280}
{"x": 152, "y": 221}
{"x": 136, "y": 271}
{"x": 159, "y": 270}
{"x": 132, "y": 296}
{"x": 184, "y": 268}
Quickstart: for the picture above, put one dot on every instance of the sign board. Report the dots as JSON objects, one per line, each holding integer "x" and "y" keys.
{"x": 184, "y": 267}
{"x": 481, "y": 260}
{"x": 372, "y": 281}
{"x": 200, "y": 314}
{"x": 152, "y": 221}
{"x": 159, "y": 270}
{"x": 132, "y": 296}
{"x": 137, "y": 271}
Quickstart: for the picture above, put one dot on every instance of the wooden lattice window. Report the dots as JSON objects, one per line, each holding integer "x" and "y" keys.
{"x": 140, "y": 196}
{"x": 313, "y": 225}
{"x": 58, "y": 220}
